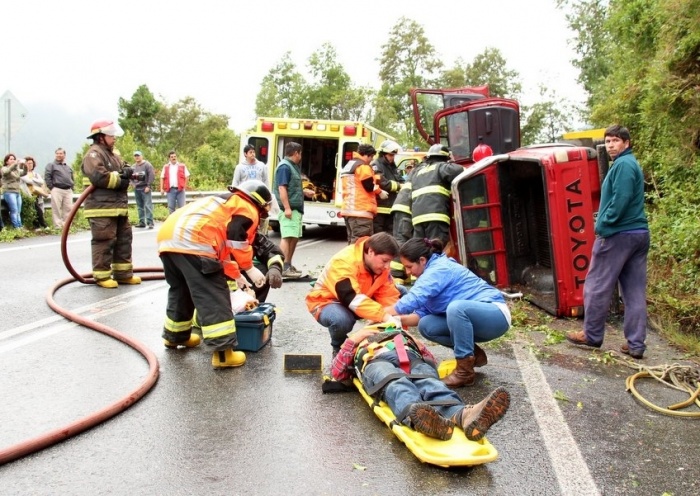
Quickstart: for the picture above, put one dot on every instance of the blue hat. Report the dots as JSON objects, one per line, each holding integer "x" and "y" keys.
{"x": 138, "y": 153}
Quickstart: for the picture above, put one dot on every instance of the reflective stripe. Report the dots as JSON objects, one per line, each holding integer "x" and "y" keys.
{"x": 122, "y": 267}
{"x": 218, "y": 330}
{"x": 356, "y": 213}
{"x": 277, "y": 259}
{"x": 383, "y": 210}
{"x": 188, "y": 246}
{"x": 101, "y": 275}
{"x": 172, "y": 326}
{"x": 401, "y": 208}
{"x": 431, "y": 218}
{"x": 114, "y": 180}
{"x": 357, "y": 301}
{"x": 430, "y": 189}
{"x": 238, "y": 245}
{"x": 105, "y": 212}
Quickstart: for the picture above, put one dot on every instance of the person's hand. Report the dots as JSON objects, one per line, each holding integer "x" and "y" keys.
{"x": 288, "y": 213}
{"x": 394, "y": 320}
{"x": 274, "y": 277}
{"x": 362, "y": 334}
{"x": 256, "y": 276}
{"x": 242, "y": 282}
{"x": 383, "y": 195}
{"x": 309, "y": 193}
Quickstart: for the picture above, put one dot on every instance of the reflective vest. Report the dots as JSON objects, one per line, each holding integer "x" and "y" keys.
{"x": 430, "y": 197}
{"x": 203, "y": 228}
{"x": 181, "y": 178}
{"x": 346, "y": 280}
{"x": 359, "y": 190}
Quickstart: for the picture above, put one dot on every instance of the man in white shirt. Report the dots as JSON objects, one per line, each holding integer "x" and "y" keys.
{"x": 173, "y": 182}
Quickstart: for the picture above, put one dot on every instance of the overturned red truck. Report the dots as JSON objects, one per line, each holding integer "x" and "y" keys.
{"x": 523, "y": 218}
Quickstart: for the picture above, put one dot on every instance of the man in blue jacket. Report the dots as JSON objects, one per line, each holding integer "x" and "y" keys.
{"x": 619, "y": 252}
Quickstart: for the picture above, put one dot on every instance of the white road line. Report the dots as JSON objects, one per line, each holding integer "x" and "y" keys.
{"x": 571, "y": 470}
{"x": 52, "y": 325}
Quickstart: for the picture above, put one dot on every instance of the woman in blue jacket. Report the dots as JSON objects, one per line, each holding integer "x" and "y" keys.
{"x": 451, "y": 306}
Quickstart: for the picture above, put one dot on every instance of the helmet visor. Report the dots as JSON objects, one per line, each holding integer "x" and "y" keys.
{"x": 112, "y": 130}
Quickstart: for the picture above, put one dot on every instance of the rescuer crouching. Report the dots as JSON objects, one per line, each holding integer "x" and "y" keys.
{"x": 201, "y": 246}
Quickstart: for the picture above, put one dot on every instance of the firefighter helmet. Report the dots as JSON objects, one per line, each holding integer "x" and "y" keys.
{"x": 105, "y": 126}
{"x": 257, "y": 192}
{"x": 389, "y": 146}
{"x": 439, "y": 151}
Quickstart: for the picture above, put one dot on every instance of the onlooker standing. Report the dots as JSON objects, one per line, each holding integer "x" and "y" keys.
{"x": 59, "y": 179}
{"x": 11, "y": 172}
{"x": 142, "y": 190}
{"x": 173, "y": 181}
{"x": 251, "y": 168}
{"x": 619, "y": 251}
{"x": 290, "y": 196}
{"x": 359, "y": 194}
{"x": 107, "y": 208}
{"x": 389, "y": 179}
{"x": 36, "y": 187}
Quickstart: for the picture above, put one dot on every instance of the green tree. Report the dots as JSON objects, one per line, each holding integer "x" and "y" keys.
{"x": 546, "y": 120}
{"x": 408, "y": 60}
{"x": 138, "y": 115}
{"x": 283, "y": 91}
{"x": 490, "y": 67}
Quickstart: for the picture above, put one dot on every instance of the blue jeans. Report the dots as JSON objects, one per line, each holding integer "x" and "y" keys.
{"x": 465, "y": 323}
{"x": 621, "y": 257}
{"x": 176, "y": 199}
{"x": 340, "y": 320}
{"x": 399, "y": 394}
{"x": 144, "y": 206}
{"x": 14, "y": 205}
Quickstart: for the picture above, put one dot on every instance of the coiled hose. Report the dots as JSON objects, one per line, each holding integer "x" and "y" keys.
{"x": 45, "y": 440}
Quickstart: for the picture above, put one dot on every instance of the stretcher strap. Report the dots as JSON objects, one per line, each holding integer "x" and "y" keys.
{"x": 404, "y": 362}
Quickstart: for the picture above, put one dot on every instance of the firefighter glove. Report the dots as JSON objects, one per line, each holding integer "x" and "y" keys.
{"x": 274, "y": 277}
{"x": 127, "y": 172}
{"x": 383, "y": 195}
{"x": 242, "y": 282}
{"x": 256, "y": 276}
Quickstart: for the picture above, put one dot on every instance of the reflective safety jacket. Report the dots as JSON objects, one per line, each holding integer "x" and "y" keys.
{"x": 389, "y": 179}
{"x": 346, "y": 280}
{"x": 219, "y": 227}
{"x": 430, "y": 197}
{"x": 359, "y": 190}
{"x": 103, "y": 169}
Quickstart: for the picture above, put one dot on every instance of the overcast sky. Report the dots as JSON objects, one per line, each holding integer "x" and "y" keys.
{"x": 83, "y": 55}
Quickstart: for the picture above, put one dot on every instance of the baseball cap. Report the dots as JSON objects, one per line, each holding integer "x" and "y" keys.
{"x": 138, "y": 153}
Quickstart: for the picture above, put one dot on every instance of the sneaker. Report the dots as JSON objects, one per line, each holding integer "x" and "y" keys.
{"x": 633, "y": 353}
{"x": 477, "y": 419}
{"x": 192, "y": 342}
{"x": 426, "y": 420}
{"x": 140, "y": 225}
{"x": 227, "y": 358}
{"x": 579, "y": 338}
{"x": 291, "y": 273}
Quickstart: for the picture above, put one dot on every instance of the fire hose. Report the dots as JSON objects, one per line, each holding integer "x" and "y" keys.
{"x": 50, "y": 438}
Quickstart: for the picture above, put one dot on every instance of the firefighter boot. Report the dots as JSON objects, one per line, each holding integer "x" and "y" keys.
{"x": 426, "y": 420}
{"x": 130, "y": 280}
{"x": 193, "y": 341}
{"x": 227, "y": 358}
{"x": 462, "y": 375}
{"x": 107, "y": 283}
{"x": 480, "y": 358}
{"x": 477, "y": 419}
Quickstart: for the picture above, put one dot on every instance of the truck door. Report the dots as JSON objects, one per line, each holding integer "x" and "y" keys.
{"x": 426, "y": 102}
{"x": 262, "y": 151}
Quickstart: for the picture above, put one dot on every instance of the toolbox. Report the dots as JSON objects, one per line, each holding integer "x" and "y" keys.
{"x": 254, "y": 327}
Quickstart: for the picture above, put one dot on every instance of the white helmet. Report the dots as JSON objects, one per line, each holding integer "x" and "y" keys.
{"x": 389, "y": 146}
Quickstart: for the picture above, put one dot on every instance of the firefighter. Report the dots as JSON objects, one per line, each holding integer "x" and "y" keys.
{"x": 430, "y": 196}
{"x": 389, "y": 179}
{"x": 403, "y": 229}
{"x": 359, "y": 194}
{"x": 201, "y": 245}
{"x": 107, "y": 207}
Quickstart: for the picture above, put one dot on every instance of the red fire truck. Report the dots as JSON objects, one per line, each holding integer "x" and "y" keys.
{"x": 523, "y": 219}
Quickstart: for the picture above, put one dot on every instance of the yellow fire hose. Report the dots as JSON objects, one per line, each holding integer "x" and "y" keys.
{"x": 683, "y": 378}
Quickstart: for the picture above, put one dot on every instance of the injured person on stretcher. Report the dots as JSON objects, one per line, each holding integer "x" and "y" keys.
{"x": 401, "y": 371}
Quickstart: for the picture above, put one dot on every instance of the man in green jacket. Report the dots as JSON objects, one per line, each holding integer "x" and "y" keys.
{"x": 619, "y": 252}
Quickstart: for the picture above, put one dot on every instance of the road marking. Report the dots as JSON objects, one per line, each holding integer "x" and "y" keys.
{"x": 569, "y": 465}
{"x": 53, "y": 325}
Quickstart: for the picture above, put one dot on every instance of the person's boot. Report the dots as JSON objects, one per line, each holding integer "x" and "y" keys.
{"x": 193, "y": 341}
{"x": 426, "y": 420}
{"x": 107, "y": 283}
{"x": 480, "y": 358}
{"x": 477, "y": 419}
{"x": 227, "y": 358}
{"x": 462, "y": 375}
{"x": 130, "y": 280}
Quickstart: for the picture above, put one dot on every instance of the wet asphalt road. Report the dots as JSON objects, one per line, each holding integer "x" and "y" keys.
{"x": 571, "y": 429}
